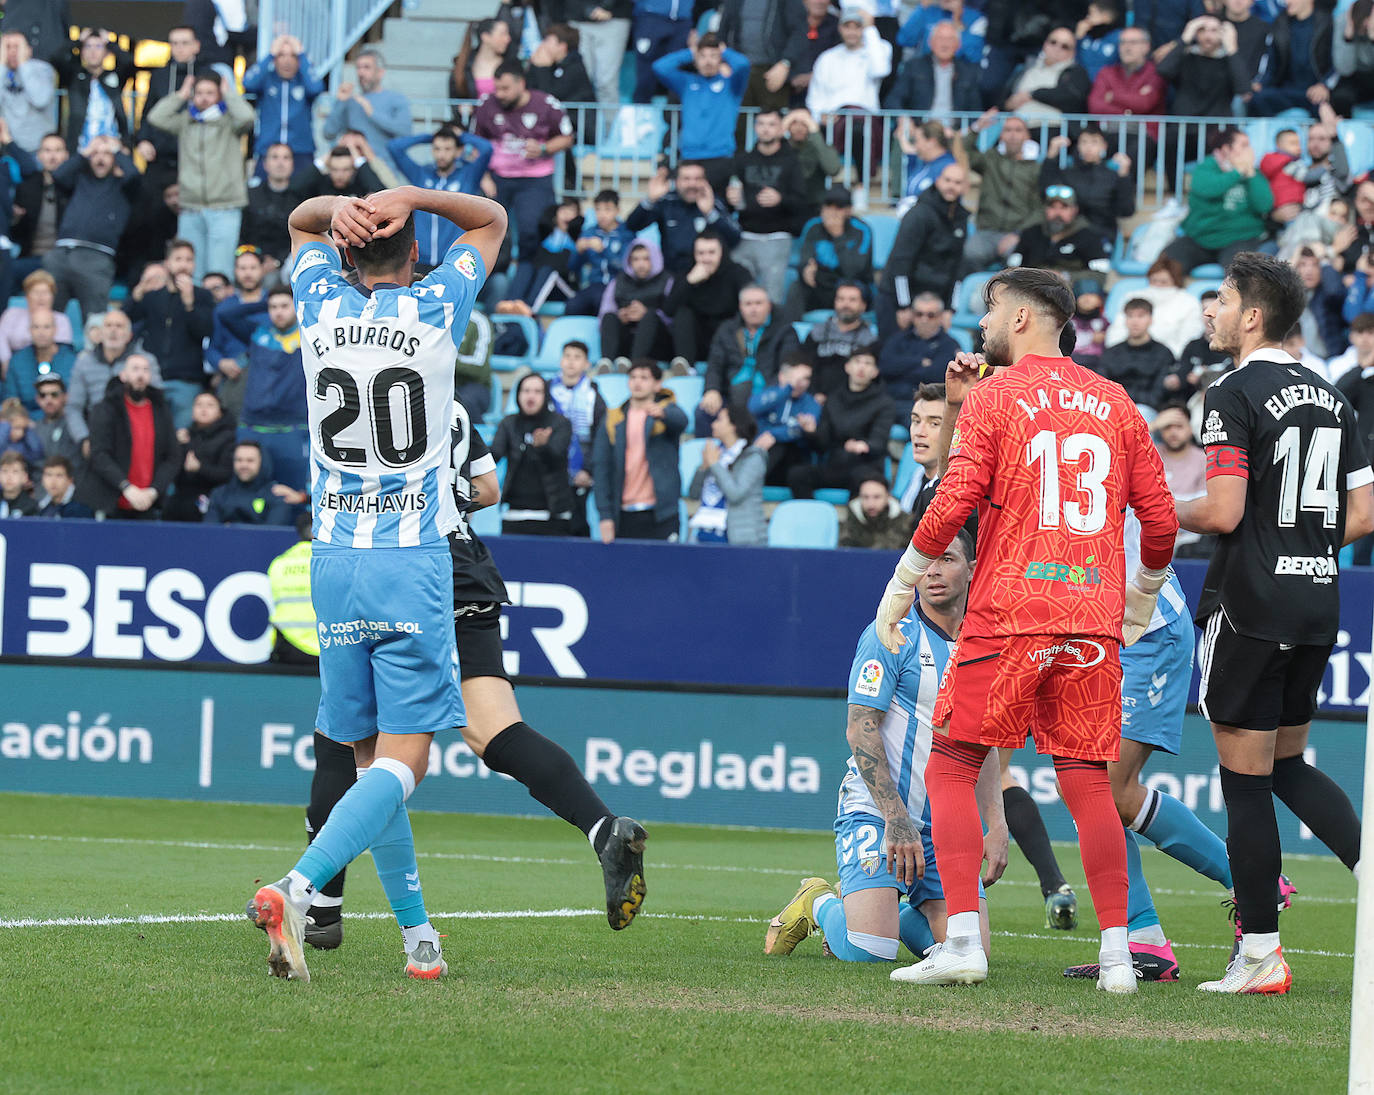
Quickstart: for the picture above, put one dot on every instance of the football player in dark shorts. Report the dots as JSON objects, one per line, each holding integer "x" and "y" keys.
{"x": 1288, "y": 484}
{"x": 495, "y": 730}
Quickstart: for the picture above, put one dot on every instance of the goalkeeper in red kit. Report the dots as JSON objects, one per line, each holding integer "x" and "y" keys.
{"x": 1051, "y": 454}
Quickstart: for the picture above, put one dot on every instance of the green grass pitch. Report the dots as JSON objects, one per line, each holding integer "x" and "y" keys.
{"x": 684, "y": 1000}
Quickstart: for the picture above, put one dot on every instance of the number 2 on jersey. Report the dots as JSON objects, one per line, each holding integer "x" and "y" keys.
{"x": 1046, "y": 450}
{"x": 414, "y": 433}
{"x": 1320, "y": 471}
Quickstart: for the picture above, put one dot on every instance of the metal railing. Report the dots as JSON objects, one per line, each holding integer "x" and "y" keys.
{"x": 620, "y": 146}
{"x": 327, "y": 29}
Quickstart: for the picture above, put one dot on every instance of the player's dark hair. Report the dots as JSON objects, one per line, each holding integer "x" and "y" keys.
{"x": 1139, "y": 304}
{"x": 208, "y": 78}
{"x": 1362, "y": 323}
{"x": 543, "y": 383}
{"x": 648, "y": 365}
{"x": 381, "y": 256}
{"x": 510, "y": 68}
{"x": 864, "y": 349}
{"x": 340, "y": 151}
{"x": 279, "y": 290}
{"x": 965, "y": 540}
{"x": 744, "y": 422}
{"x": 709, "y": 233}
{"x": 688, "y": 163}
{"x": 710, "y": 40}
{"x": 872, "y": 477}
{"x": 447, "y": 133}
{"x": 179, "y": 244}
{"x": 1044, "y": 290}
{"x": 1223, "y": 138}
{"x": 577, "y": 344}
{"x": 607, "y": 197}
{"x": 57, "y": 460}
{"x": 929, "y": 393}
{"x": 1273, "y": 287}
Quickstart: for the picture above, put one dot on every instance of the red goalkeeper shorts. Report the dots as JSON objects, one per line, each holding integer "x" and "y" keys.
{"x": 1064, "y": 690}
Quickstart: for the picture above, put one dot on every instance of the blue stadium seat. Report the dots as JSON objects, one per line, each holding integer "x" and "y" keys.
{"x": 689, "y": 459}
{"x": 1123, "y": 265}
{"x": 505, "y": 363}
{"x": 834, "y": 496}
{"x": 899, "y": 432}
{"x": 494, "y": 415}
{"x": 614, "y": 388}
{"x": 1212, "y": 271}
{"x": 777, "y": 494}
{"x": 1198, "y": 286}
{"x": 802, "y": 328}
{"x": 486, "y": 522}
{"x": 1358, "y": 138}
{"x": 73, "y": 311}
{"x": 804, "y": 523}
{"x": 684, "y": 533}
{"x": 906, "y": 468}
{"x": 1120, "y": 293}
{"x": 968, "y": 300}
{"x": 566, "y": 329}
{"x": 964, "y": 337}
{"x": 818, "y": 315}
{"x": 884, "y": 227}
{"x": 486, "y": 431}
{"x": 688, "y": 390}
{"x": 634, "y": 132}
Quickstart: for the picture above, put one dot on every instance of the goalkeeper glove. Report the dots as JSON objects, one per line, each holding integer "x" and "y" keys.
{"x": 1141, "y": 593}
{"x": 898, "y": 597}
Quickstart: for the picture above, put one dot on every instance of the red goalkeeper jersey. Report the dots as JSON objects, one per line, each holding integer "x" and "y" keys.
{"x": 1051, "y": 454}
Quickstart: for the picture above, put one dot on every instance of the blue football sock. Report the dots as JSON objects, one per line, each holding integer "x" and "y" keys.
{"x": 1140, "y": 905}
{"x": 393, "y": 853}
{"x": 830, "y": 916}
{"x": 1176, "y": 831}
{"x": 356, "y": 821}
{"x": 913, "y": 929}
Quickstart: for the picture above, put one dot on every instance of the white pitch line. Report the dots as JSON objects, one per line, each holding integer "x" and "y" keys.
{"x": 205, "y": 845}
{"x": 522, "y": 914}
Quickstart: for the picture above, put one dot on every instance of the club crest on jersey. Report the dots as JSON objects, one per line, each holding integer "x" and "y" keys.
{"x": 870, "y": 679}
{"x": 528, "y": 119}
{"x": 1213, "y": 432}
{"x": 466, "y": 265}
{"x": 870, "y": 865}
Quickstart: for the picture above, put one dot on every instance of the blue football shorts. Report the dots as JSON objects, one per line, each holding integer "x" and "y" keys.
{"x": 388, "y": 658}
{"x": 859, "y": 858}
{"x": 1155, "y": 674}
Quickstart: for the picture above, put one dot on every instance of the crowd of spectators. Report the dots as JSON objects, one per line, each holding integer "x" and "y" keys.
{"x": 147, "y": 206}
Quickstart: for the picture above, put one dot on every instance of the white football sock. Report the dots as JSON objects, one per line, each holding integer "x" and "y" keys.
{"x": 1153, "y": 936}
{"x": 299, "y": 891}
{"x": 1114, "y": 949}
{"x": 961, "y": 933}
{"x": 1257, "y": 945}
{"x": 421, "y": 933}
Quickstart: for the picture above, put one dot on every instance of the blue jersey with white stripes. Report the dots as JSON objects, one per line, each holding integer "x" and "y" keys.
{"x": 379, "y": 383}
{"x": 904, "y": 685}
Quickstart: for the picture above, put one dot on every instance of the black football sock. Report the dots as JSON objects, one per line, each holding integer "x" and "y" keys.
{"x": 335, "y": 772}
{"x": 1321, "y": 805}
{"x": 1027, "y": 828}
{"x": 552, "y": 777}
{"x": 1252, "y": 842}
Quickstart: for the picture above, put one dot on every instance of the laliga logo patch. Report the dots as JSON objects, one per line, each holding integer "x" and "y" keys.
{"x": 870, "y": 677}
{"x": 466, "y": 265}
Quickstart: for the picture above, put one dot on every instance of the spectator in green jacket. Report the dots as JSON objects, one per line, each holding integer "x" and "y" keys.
{"x": 1009, "y": 199}
{"x": 208, "y": 118}
{"x": 1227, "y": 204}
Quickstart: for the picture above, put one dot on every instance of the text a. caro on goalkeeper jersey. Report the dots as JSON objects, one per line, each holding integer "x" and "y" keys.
{"x": 379, "y": 384}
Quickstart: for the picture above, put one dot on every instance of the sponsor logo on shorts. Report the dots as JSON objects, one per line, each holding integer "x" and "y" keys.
{"x": 1074, "y": 575}
{"x": 870, "y": 678}
{"x": 1213, "y": 432}
{"x": 466, "y": 265}
{"x": 352, "y": 632}
{"x": 1309, "y": 566}
{"x": 1071, "y": 654}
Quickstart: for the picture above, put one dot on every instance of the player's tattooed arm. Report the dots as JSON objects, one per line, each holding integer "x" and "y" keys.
{"x": 864, "y": 733}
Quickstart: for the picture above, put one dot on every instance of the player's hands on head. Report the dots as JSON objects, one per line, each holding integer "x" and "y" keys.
{"x": 354, "y": 222}
{"x": 390, "y": 208}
